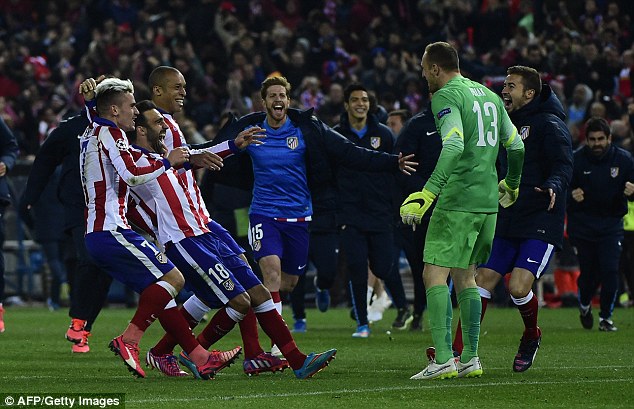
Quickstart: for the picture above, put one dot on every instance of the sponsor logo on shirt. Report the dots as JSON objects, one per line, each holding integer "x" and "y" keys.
{"x": 524, "y": 131}
{"x": 375, "y": 142}
{"x": 292, "y": 142}
{"x": 614, "y": 172}
{"x": 443, "y": 112}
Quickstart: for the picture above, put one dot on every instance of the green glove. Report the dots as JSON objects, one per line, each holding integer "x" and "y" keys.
{"x": 416, "y": 205}
{"x": 506, "y": 195}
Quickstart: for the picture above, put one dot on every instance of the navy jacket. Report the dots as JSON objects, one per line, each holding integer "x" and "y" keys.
{"x": 60, "y": 147}
{"x": 420, "y": 137}
{"x": 366, "y": 198}
{"x": 8, "y": 155}
{"x": 326, "y": 150}
{"x": 604, "y": 204}
{"x": 547, "y": 164}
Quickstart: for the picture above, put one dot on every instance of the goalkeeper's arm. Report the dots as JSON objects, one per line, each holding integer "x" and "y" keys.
{"x": 514, "y": 153}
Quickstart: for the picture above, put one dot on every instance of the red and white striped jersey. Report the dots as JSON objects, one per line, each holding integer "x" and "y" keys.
{"x": 108, "y": 167}
{"x": 174, "y": 138}
{"x": 166, "y": 203}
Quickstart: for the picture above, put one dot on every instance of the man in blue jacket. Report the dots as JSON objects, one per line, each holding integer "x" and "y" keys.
{"x": 528, "y": 232}
{"x": 293, "y": 179}
{"x": 367, "y": 212}
{"x": 602, "y": 183}
{"x": 8, "y": 155}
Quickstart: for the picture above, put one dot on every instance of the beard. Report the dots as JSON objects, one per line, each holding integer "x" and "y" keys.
{"x": 159, "y": 145}
{"x": 272, "y": 113}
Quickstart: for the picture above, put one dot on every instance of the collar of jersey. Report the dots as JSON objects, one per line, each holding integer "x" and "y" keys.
{"x": 144, "y": 150}
{"x": 105, "y": 122}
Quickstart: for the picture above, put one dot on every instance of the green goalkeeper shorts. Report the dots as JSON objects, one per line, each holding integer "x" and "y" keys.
{"x": 459, "y": 239}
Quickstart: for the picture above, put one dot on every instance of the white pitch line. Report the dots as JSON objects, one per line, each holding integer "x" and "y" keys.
{"x": 415, "y": 385}
{"x": 227, "y": 375}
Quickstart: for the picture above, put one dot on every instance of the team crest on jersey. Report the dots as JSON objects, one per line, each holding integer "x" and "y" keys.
{"x": 614, "y": 172}
{"x": 122, "y": 145}
{"x": 228, "y": 285}
{"x": 443, "y": 112}
{"x": 375, "y": 142}
{"x": 257, "y": 245}
{"x": 161, "y": 258}
{"x": 292, "y": 142}
{"x": 524, "y": 131}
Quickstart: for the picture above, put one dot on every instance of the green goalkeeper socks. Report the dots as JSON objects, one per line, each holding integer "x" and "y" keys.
{"x": 470, "y": 312}
{"x": 439, "y": 312}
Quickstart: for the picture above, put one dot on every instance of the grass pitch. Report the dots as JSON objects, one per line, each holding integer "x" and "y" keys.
{"x": 575, "y": 368}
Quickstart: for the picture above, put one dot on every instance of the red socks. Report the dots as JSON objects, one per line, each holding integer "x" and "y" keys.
{"x": 217, "y": 328}
{"x": 250, "y": 336}
{"x": 151, "y": 303}
{"x": 174, "y": 324}
{"x": 168, "y": 342}
{"x": 275, "y": 327}
{"x": 528, "y": 312}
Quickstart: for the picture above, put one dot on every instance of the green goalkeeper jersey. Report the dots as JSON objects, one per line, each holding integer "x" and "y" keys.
{"x": 472, "y": 122}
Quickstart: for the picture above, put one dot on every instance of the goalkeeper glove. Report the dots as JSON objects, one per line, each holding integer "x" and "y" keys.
{"x": 416, "y": 205}
{"x": 506, "y": 195}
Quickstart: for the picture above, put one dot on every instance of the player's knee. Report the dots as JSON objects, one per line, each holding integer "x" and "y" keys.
{"x": 519, "y": 291}
{"x": 487, "y": 279}
{"x": 272, "y": 276}
{"x": 241, "y": 303}
{"x": 176, "y": 279}
{"x": 259, "y": 294}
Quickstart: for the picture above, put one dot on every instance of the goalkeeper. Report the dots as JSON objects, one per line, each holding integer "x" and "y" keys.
{"x": 472, "y": 123}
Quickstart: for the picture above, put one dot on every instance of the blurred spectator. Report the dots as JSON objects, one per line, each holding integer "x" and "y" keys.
{"x": 297, "y": 69}
{"x": 576, "y": 109}
{"x": 413, "y": 98}
{"x": 379, "y": 77}
{"x": 332, "y": 106}
{"x": 311, "y": 95}
{"x": 491, "y": 25}
{"x": 289, "y": 16}
{"x": 396, "y": 120}
{"x": 621, "y": 134}
{"x": 626, "y": 74}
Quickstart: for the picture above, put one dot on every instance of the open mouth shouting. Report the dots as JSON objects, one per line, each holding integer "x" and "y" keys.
{"x": 508, "y": 102}
{"x": 278, "y": 108}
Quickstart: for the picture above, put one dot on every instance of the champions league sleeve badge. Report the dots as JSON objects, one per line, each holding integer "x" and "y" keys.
{"x": 122, "y": 145}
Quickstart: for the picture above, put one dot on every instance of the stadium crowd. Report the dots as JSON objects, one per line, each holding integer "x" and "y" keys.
{"x": 225, "y": 49}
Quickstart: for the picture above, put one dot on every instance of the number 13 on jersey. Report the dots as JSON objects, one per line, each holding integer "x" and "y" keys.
{"x": 486, "y": 112}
